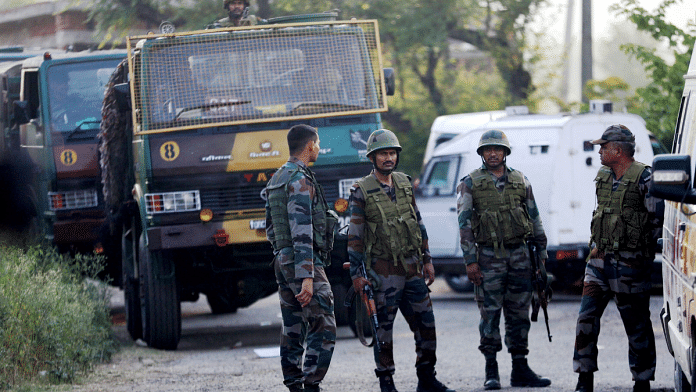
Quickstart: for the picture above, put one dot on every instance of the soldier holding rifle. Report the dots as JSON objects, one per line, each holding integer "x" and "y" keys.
{"x": 387, "y": 235}
{"x": 497, "y": 212}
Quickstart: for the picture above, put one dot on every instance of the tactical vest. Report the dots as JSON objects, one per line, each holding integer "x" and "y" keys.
{"x": 500, "y": 219}
{"x": 323, "y": 220}
{"x": 391, "y": 229}
{"x": 620, "y": 220}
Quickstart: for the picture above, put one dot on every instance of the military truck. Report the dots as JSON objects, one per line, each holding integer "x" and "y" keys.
{"x": 52, "y": 130}
{"x": 195, "y": 125}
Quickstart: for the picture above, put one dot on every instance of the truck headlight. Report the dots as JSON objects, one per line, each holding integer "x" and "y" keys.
{"x": 160, "y": 203}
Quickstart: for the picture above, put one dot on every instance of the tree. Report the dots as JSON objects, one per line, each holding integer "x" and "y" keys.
{"x": 659, "y": 101}
{"x": 499, "y": 29}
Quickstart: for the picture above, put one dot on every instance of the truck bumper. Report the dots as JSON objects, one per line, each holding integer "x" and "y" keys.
{"x": 449, "y": 266}
{"x": 81, "y": 230}
{"x": 203, "y": 234}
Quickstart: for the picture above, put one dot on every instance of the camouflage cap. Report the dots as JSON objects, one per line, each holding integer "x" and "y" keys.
{"x": 616, "y": 133}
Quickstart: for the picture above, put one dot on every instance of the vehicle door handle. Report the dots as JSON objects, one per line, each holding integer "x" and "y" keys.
{"x": 453, "y": 209}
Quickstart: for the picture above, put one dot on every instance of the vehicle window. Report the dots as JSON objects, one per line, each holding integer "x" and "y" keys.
{"x": 657, "y": 147}
{"x": 76, "y": 92}
{"x": 440, "y": 176}
{"x": 676, "y": 146}
{"x": 257, "y": 78}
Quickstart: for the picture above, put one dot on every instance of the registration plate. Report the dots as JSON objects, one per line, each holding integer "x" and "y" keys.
{"x": 257, "y": 224}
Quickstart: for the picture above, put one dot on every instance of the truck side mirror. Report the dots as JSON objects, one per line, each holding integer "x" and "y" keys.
{"x": 122, "y": 95}
{"x": 389, "y": 80}
{"x": 671, "y": 179}
{"x": 21, "y": 112}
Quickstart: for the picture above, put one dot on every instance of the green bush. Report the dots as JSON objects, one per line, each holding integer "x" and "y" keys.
{"x": 54, "y": 319}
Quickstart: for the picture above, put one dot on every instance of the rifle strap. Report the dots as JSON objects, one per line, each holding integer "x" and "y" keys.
{"x": 353, "y": 299}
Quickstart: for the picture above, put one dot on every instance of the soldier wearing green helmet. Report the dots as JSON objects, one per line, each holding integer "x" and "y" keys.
{"x": 497, "y": 213}
{"x": 237, "y": 14}
{"x": 494, "y": 138}
{"x": 387, "y": 234}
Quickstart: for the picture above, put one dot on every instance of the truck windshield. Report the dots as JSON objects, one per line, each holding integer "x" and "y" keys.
{"x": 218, "y": 78}
{"x": 76, "y": 92}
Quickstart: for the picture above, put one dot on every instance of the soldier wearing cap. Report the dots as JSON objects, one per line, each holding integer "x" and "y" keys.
{"x": 625, "y": 226}
{"x": 386, "y": 233}
{"x": 497, "y": 213}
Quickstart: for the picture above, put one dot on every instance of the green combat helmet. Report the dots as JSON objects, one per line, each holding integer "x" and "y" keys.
{"x": 226, "y": 3}
{"x": 381, "y": 139}
{"x": 493, "y": 137}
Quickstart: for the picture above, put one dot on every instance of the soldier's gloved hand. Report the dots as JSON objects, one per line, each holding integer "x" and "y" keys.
{"x": 306, "y": 292}
{"x": 473, "y": 271}
{"x": 359, "y": 283}
{"x": 429, "y": 273}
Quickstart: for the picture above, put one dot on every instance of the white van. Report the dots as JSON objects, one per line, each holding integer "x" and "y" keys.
{"x": 555, "y": 153}
{"x": 446, "y": 128}
{"x": 673, "y": 180}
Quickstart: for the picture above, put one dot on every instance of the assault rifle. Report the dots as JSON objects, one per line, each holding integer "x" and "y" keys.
{"x": 540, "y": 285}
{"x": 368, "y": 301}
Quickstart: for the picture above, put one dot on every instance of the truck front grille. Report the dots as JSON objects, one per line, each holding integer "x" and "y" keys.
{"x": 230, "y": 198}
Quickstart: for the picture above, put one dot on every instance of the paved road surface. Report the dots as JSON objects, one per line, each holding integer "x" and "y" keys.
{"x": 227, "y": 353}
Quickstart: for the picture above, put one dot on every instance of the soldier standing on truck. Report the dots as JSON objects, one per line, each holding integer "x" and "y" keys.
{"x": 625, "y": 227}
{"x": 237, "y": 14}
{"x": 387, "y": 234}
{"x": 497, "y": 212}
{"x": 300, "y": 228}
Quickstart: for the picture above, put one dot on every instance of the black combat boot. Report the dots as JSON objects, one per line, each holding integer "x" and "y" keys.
{"x": 492, "y": 376}
{"x": 585, "y": 382}
{"x": 523, "y": 376}
{"x": 311, "y": 388}
{"x": 427, "y": 381}
{"x": 295, "y": 388}
{"x": 641, "y": 386}
{"x": 386, "y": 382}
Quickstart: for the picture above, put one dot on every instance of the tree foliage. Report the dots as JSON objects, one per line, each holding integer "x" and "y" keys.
{"x": 658, "y": 102}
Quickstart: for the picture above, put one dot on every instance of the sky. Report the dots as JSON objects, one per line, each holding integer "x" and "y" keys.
{"x": 602, "y": 17}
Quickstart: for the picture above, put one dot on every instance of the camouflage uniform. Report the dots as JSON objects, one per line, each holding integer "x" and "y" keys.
{"x": 314, "y": 325}
{"x": 626, "y": 275}
{"x": 249, "y": 20}
{"x": 401, "y": 287}
{"x": 506, "y": 280}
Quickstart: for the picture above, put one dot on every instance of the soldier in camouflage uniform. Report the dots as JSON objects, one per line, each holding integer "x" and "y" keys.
{"x": 497, "y": 212}
{"x": 625, "y": 228}
{"x": 300, "y": 227}
{"x": 386, "y": 233}
{"x": 238, "y": 14}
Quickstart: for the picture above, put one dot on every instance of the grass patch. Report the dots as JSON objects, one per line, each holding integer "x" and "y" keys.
{"x": 54, "y": 316}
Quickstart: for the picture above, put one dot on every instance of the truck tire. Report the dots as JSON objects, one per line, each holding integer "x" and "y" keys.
{"x": 340, "y": 310}
{"x": 681, "y": 383}
{"x": 130, "y": 283}
{"x": 459, "y": 283}
{"x": 159, "y": 299}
